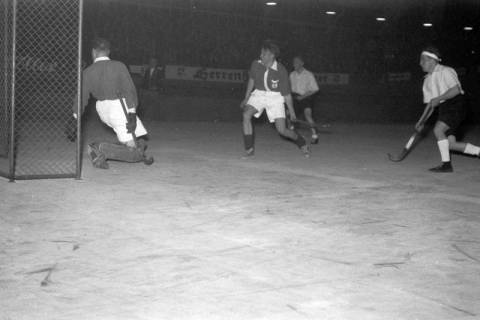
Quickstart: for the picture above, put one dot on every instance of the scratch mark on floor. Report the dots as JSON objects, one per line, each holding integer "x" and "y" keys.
{"x": 465, "y": 254}
{"x": 39, "y": 271}
{"x": 453, "y": 307}
{"x": 295, "y": 309}
{"x": 372, "y": 221}
{"x": 389, "y": 264}
{"x": 231, "y": 249}
{"x": 46, "y": 281}
{"x": 440, "y": 302}
{"x": 188, "y": 204}
{"x": 336, "y": 261}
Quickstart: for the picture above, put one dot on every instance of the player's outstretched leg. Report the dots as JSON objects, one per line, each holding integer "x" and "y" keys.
{"x": 248, "y": 137}
{"x": 464, "y": 147}
{"x": 447, "y": 141}
{"x": 309, "y": 117}
{"x": 281, "y": 126}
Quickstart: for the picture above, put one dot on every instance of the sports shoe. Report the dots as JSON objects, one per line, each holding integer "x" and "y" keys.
{"x": 314, "y": 139}
{"x": 444, "y": 167}
{"x": 305, "y": 150}
{"x": 248, "y": 153}
{"x": 97, "y": 158}
{"x": 148, "y": 161}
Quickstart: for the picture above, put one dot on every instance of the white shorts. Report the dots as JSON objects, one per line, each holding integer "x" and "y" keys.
{"x": 271, "y": 102}
{"x": 112, "y": 114}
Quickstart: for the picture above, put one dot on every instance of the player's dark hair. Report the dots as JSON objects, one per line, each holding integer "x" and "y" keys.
{"x": 272, "y": 47}
{"x": 434, "y": 50}
{"x": 101, "y": 44}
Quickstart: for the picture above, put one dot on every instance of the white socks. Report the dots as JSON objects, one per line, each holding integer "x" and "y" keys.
{"x": 472, "y": 150}
{"x": 443, "y": 146}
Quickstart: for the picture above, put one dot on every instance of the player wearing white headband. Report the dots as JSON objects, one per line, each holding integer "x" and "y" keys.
{"x": 442, "y": 90}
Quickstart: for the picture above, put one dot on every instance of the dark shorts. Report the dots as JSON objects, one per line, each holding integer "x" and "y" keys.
{"x": 452, "y": 112}
{"x": 301, "y": 105}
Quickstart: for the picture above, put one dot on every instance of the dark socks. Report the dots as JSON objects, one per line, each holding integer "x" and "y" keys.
{"x": 248, "y": 141}
{"x": 300, "y": 141}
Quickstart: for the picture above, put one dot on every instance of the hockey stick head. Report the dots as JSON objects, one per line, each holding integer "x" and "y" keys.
{"x": 398, "y": 158}
{"x": 406, "y": 149}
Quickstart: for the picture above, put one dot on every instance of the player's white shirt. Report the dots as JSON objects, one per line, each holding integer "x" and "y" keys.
{"x": 303, "y": 81}
{"x": 439, "y": 81}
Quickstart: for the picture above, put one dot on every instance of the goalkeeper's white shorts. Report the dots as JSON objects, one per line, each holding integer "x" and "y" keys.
{"x": 112, "y": 114}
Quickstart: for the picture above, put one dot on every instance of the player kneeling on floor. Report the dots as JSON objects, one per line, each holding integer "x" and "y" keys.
{"x": 442, "y": 90}
{"x": 268, "y": 89}
{"x": 110, "y": 83}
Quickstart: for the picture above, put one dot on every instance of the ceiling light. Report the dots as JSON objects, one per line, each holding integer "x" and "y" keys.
{"x": 427, "y": 24}
{"x": 468, "y": 28}
{"x": 381, "y": 19}
{"x": 271, "y": 3}
{"x": 331, "y": 13}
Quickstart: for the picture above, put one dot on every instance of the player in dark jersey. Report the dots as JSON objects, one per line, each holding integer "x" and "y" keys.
{"x": 109, "y": 81}
{"x": 268, "y": 89}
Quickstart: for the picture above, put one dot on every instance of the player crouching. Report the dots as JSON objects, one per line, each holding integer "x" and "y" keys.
{"x": 268, "y": 89}
{"x": 110, "y": 83}
{"x": 442, "y": 90}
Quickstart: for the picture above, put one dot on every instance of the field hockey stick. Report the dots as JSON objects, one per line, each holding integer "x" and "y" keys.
{"x": 414, "y": 138}
{"x": 125, "y": 111}
{"x": 147, "y": 161}
{"x": 305, "y": 124}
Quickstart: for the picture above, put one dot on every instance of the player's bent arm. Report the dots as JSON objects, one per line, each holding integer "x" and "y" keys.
{"x": 85, "y": 95}
{"x": 310, "y": 93}
{"x": 451, "y": 93}
{"x": 425, "y": 115}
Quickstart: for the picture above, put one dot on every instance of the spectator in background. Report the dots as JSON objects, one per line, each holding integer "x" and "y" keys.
{"x": 152, "y": 77}
{"x": 152, "y": 84}
{"x": 304, "y": 89}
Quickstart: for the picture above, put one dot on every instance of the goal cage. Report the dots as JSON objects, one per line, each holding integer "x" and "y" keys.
{"x": 40, "y": 82}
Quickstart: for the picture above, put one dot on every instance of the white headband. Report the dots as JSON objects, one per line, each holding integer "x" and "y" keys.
{"x": 431, "y": 55}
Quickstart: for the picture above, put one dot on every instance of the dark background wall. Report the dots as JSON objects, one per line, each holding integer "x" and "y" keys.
{"x": 379, "y": 103}
{"x": 227, "y": 34}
